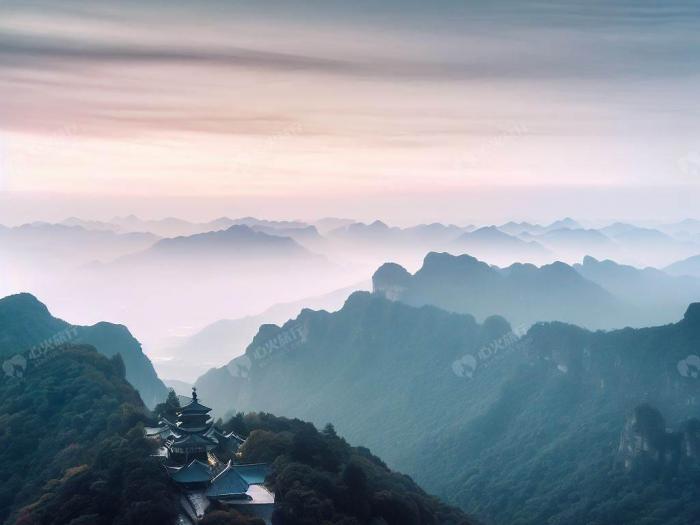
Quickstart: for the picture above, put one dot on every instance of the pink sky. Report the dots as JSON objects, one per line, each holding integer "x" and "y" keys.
{"x": 228, "y": 107}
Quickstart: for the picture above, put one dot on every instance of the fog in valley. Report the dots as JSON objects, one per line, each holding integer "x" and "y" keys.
{"x": 195, "y": 294}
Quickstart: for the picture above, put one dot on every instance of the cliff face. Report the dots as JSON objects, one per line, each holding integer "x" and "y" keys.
{"x": 647, "y": 445}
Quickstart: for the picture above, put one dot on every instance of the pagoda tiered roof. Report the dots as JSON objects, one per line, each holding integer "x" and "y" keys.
{"x": 194, "y": 406}
{"x": 192, "y": 440}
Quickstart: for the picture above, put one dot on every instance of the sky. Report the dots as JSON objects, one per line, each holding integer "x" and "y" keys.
{"x": 410, "y": 111}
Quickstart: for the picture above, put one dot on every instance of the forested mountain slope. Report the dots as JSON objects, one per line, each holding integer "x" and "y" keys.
{"x": 27, "y": 327}
{"x": 513, "y": 430}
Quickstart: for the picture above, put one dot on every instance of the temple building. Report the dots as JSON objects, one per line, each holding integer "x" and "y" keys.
{"x": 191, "y": 449}
{"x": 193, "y": 435}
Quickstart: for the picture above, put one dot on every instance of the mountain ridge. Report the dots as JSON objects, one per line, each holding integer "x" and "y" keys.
{"x": 468, "y": 408}
{"x": 26, "y": 323}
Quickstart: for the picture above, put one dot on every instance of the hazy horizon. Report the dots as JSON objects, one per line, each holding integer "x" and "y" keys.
{"x": 594, "y": 206}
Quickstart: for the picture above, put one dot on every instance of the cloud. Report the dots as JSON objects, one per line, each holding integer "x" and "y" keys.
{"x": 567, "y": 56}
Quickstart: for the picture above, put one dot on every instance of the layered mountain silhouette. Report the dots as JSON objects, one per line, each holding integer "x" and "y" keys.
{"x": 494, "y": 245}
{"x": 27, "y": 328}
{"x": 174, "y": 227}
{"x": 217, "y": 342}
{"x": 689, "y": 266}
{"x": 652, "y": 296}
{"x": 378, "y": 239}
{"x": 64, "y": 245}
{"x": 366, "y": 323}
{"x": 512, "y": 429}
{"x": 240, "y": 243}
{"x": 522, "y": 293}
{"x": 518, "y": 228}
{"x": 191, "y": 281}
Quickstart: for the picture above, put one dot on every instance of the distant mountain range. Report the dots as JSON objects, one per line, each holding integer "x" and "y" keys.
{"x": 195, "y": 273}
{"x": 176, "y": 227}
{"x": 218, "y": 342}
{"x": 523, "y": 293}
{"x": 43, "y": 243}
{"x": 26, "y": 325}
{"x": 236, "y": 244}
{"x": 378, "y": 241}
{"x": 494, "y": 245}
{"x": 344, "y": 240}
{"x": 651, "y": 296}
{"x": 690, "y": 266}
{"x": 513, "y": 429}
{"x": 595, "y": 294}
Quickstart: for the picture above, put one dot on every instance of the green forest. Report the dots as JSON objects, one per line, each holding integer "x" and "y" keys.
{"x": 72, "y": 451}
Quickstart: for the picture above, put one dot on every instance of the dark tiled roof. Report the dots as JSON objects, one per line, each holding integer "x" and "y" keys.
{"x": 192, "y": 439}
{"x": 195, "y": 472}
{"x": 233, "y": 435}
{"x": 253, "y": 474}
{"x": 195, "y": 407}
{"x": 228, "y": 483}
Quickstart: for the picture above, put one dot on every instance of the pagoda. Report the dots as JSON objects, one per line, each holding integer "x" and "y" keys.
{"x": 193, "y": 435}
{"x": 189, "y": 449}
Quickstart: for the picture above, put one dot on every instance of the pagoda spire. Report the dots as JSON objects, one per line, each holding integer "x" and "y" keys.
{"x": 194, "y": 393}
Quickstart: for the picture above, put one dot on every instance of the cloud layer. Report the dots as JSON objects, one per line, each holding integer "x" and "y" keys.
{"x": 322, "y": 97}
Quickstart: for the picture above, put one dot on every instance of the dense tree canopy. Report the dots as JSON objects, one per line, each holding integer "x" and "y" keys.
{"x": 319, "y": 479}
{"x": 72, "y": 448}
